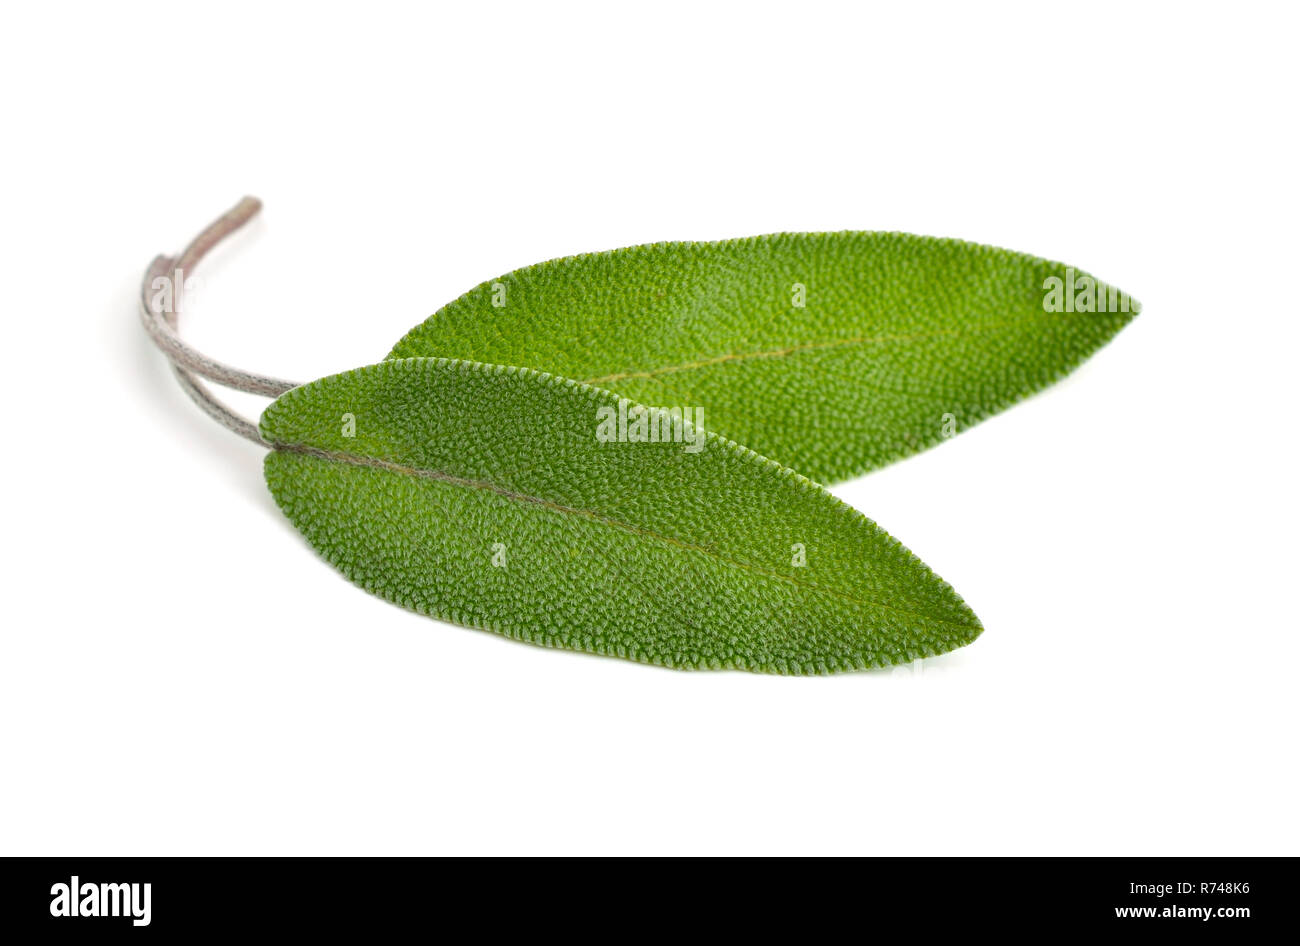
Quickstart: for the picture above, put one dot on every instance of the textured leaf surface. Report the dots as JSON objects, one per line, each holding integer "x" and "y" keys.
{"x": 895, "y": 332}
{"x": 481, "y": 494}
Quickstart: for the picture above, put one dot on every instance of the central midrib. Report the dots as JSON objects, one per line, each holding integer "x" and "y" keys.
{"x": 438, "y": 475}
{"x": 796, "y": 349}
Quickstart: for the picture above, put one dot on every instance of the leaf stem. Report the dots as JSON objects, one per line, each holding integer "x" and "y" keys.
{"x": 160, "y": 321}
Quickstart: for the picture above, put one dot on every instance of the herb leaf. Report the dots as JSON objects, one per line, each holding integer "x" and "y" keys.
{"x": 834, "y": 353}
{"x": 481, "y": 494}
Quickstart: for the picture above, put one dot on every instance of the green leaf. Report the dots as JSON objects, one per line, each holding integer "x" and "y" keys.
{"x": 900, "y": 342}
{"x": 481, "y": 494}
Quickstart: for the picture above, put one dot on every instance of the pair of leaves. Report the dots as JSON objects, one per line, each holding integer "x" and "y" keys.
{"x": 482, "y": 494}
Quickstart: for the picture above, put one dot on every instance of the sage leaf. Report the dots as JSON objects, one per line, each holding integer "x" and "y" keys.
{"x": 834, "y": 353}
{"x": 483, "y": 495}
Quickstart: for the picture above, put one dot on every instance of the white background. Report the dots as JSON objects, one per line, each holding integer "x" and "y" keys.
{"x": 180, "y": 673}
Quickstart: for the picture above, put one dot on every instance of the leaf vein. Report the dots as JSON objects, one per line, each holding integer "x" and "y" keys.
{"x": 402, "y": 469}
{"x": 792, "y": 350}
